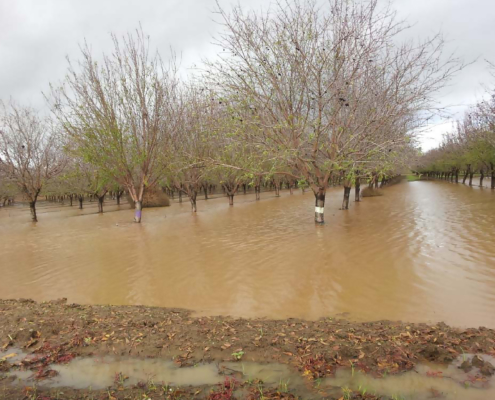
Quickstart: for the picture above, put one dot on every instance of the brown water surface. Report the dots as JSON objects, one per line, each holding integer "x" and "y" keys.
{"x": 423, "y": 252}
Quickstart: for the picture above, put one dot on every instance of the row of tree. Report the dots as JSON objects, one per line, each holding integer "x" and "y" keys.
{"x": 468, "y": 150}
{"x": 299, "y": 93}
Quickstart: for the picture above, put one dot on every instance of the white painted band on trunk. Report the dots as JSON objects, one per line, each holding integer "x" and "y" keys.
{"x": 319, "y": 210}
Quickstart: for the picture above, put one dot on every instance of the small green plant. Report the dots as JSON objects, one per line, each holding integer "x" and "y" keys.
{"x": 317, "y": 383}
{"x": 120, "y": 379}
{"x": 347, "y": 393}
{"x": 362, "y": 390}
{"x": 260, "y": 389}
{"x": 238, "y": 355}
{"x": 283, "y": 387}
{"x": 33, "y": 395}
{"x": 58, "y": 394}
{"x": 151, "y": 384}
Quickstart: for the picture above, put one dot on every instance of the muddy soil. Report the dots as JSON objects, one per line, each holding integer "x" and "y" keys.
{"x": 56, "y": 332}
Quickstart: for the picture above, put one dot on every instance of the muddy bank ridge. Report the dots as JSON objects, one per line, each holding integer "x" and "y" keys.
{"x": 37, "y": 338}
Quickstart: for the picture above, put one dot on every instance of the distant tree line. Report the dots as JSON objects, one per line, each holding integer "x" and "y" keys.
{"x": 468, "y": 150}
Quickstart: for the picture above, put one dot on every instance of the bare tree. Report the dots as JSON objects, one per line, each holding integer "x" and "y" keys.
{"x": 30, "y": 152}
{"x": 327, "y": 88}
{"x": 122, "y": 112}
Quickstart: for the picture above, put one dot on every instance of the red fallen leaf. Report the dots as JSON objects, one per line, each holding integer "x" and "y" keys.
{"x": 65, "y": 358}
{"x": 434, "y": 374}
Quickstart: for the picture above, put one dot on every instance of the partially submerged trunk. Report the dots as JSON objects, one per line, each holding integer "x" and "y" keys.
{"x": 101, "y": 199}
{"x": 492, "y": 175}
{"x": 230, "y": 190}
{"x": 192, "y": 199}
{"x": 471, "y": 178}
{"x": 320, "y": 205}
{"x": 482, "y": 176}
{"x": 80, "y": 199}
{"x": 205, "y": 191}
{"x": 357, "y": 191}
{"x": 347, "y": 195}
{"x": 32, "y": 208}
{"x": 138, "y": 211}
{"x": 468, "y": 170}
{"x": 277, "y": 189}
{"x": 257, "y": 191}
{"x": 119, "y": 195}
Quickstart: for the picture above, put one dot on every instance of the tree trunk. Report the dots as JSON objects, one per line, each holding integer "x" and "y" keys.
{"x": 81, "y": 199}
{"x": 70, "y": 198}
{"x": 257, "y": 190}
{"x": 277, "y": 189}
{"x": 320, "y": 206}
{"x": 138, "y": 211}
{"x": 492, "y": 176}
{"x": 347, "y": 195}
{"x": 244, "y": 188}
{"x": 457, "y": 175}
{"x": 192, "y": 199}
{"x": 119, "y": 195}
{"x": 468, "y": 169}
{"x": 205, "y": 191}
{"x": 180, "y": 196}
{"x": 482, "y": 176}
{"x": 231, "y": 199}
{"x": 357, "y": 192}
{"x": 32, "y": 207}
{"x": 101, "y": 199}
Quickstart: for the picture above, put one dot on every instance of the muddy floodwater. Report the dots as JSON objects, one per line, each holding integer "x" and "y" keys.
{"x": 425, "y": 251}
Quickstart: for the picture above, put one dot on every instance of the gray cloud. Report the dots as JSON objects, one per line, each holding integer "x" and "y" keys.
{"x": 36, "y": 36}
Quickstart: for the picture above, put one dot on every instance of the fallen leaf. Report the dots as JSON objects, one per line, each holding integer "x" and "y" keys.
{"x": 8, "y": 356}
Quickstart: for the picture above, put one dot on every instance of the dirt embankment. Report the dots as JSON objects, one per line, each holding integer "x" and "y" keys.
{"x": 56, "y": 332}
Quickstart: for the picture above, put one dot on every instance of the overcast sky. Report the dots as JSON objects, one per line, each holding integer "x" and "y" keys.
{"x": 37, "y": 35}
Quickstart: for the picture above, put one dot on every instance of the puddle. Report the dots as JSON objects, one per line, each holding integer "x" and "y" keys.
{"x": 424, "y": 382}
{"x": 100, "y": 373}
